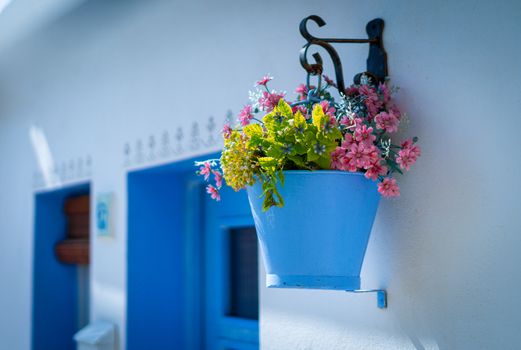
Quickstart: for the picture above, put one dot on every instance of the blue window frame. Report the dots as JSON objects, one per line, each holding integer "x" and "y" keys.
{"x": 231, "y": 284}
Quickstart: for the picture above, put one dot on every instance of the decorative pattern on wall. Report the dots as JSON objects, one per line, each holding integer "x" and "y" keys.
{"x": 64, "y": 172}
{"x": 171, "y": 144}
{"x": 164, "y": 146}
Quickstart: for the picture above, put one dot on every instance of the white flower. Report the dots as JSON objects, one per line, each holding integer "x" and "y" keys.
{"x": 365, "y": 80}
{"x": 254, "y": 96}
{"x": 386, "y": 145}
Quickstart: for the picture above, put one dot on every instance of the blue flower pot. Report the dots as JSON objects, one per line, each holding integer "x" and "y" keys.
{"x": 318, "y": 239}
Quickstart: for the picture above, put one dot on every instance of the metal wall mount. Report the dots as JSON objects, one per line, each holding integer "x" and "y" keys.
{"x": 376, "y": 61}
{"x": 381, "y": 296}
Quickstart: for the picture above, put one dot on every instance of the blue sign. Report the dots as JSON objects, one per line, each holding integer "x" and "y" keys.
{"x": 103, "y": 211}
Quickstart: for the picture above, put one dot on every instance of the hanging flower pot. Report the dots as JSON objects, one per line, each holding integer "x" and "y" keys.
{"x": 314, "y": 170}
{"x": 319, "y": 238}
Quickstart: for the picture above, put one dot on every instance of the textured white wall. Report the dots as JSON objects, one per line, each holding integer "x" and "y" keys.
{"x": 115, "y": 72}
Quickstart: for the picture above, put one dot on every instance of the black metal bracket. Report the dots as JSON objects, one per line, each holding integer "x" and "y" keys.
{"x": 376, "y": 61}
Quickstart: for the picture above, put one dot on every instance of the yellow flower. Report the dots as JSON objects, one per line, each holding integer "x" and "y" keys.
{"x": 237, "y": 161}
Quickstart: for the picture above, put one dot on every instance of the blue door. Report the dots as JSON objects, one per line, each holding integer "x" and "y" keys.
{"x": 231, "y": 274}
{"x": 192, "y": 264}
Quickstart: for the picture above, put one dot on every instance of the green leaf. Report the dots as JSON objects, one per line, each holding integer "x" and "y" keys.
{"x": 253, "y": 130}
{"x": 274, "y": 150}
{"x": 299, "y": 161}
{"x": 312, "y": 156}
{"x": 284, "y": 108}
{"x": 300, "y": 123}
{"x": 255, "y": 134}
{"x": 268, "y": 162}
{"x": 324, "y": 162}
{"x": 300, "y": 149}
{"x": 318, "y": 116}
{"x": 394, "y": 166}
{"x": 281, "y": 177}
{"x": 280, "y": 202}
{"x": 268, "y": 202}
{"x": 336, "y": 134}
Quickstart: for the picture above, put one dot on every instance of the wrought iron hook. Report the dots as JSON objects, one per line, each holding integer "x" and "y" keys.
{"x": 317, "y": 67}
{"x": 376, "y": 62}
{"x": 320, "y": 22}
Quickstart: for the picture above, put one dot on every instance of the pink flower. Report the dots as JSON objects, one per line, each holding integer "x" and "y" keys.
{"x": 336, "y": 158}
{"x": 384, "y": 90}
{"x": 415, "y": 151}
{"x": 349, "y": 163}
{"x": 376, "y": 170}
{"x": 389, "y": 188}
{"x": 350, "y": 122}
{"x": 361, "y": 155}
{"x": 346, "y": 121}
{"x": 407, "y": 143}
{"x": 264, "y": 80}
{"x": 392, "y": 108}
{"x": 328, "y": 109}
{"x": 269, "y": 100}
{"x": 364, "y": 135}
{"x": 374, "y": 154}
{"x": 332, "y": 122}
{"x": 412, "y": 147}
{"x": 302, "y": 110}
{"x": 351, "y": 91}
{"x": 387, "y": 121}
{"x": 302, "y": 90}
{"x": 227, "y": 130}
{"x": 245, "y": 115}
{"x": 368, "y": 91}
{"x": 408, "y": 155}
{"x": 348, "y": 141}
{"x": 205, "y": 170}
{"x": 218, "y": 178}
{"x": 405, "y": 160}
{"x": 213, "y": 192}
{"x": 329, "y": 81}
{"x": 371, "y": 101}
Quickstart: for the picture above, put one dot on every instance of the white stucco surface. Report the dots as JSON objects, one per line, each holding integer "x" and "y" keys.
{"x": 112, "y": 73}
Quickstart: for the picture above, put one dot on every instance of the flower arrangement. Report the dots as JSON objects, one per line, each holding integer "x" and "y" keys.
{"x": 313, "y": 132}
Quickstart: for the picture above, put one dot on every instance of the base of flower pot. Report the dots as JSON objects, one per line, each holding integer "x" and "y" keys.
{"x": 313, "y": 282}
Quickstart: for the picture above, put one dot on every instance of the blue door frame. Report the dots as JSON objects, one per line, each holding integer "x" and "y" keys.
{"x": 55, "y": 285}
{"x": 169, "y": 250}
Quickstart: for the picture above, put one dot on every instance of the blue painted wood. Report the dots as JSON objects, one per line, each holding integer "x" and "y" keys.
{"x": 319, "y": 238}
{"x": 224, "y": 344}
{"x": 194, "y": 280}
{"x": 55, "y": 285}
{"x": 235, "y": 333}
{"x": 156, "y": 264}
{"x": 176, "y": 259}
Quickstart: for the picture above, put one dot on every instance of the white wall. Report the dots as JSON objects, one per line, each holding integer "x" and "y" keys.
{"x": 446, "y": 250}
{"x": 19, "y": 18}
